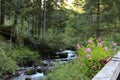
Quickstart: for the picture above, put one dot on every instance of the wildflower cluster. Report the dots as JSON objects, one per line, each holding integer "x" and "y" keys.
{"x": 95, "y": 55}
{"x": 96, "y": 48}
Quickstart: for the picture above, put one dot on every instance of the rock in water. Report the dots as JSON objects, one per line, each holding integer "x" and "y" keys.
{"x": 27, "y": 78}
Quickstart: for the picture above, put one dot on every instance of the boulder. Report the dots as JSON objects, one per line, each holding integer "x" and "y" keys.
{"x": 27, "y": 78}
{"x": 31, "y": 71}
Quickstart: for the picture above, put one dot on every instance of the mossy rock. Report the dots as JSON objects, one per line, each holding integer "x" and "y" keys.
{"x": 31, "y": 71}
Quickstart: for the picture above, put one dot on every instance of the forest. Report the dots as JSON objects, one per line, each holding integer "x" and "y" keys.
{"x": 33, "y": 31}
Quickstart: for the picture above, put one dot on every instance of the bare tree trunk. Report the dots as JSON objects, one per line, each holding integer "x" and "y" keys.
{"x": 11, "y": 34}
{"x": 90, "y": 22}
{"x": 22, "y": 24}
{"x": 13, "y": 30}
{"x": 98, "y": 18}
{"x": 44, "y": 20}
{"x": 33, "y": 25}
{"x": 39, "y": 19}
{"x": 39, "y": 25}
{"x": 34, "y": 28}
{"x": 28, "y": 28}
{"x": 2, "y": 12}
{"x": 36, "y": 25}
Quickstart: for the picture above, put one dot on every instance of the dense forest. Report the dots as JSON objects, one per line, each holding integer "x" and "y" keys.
{"x": 33, "y": 30}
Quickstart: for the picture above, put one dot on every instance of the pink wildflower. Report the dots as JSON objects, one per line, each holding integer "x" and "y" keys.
{"x": 106, "y": 48}
{"x": 90, "y": 41}
{"x": 114, "y": 44}
{"x": 100, "y": 44}
{"x": 88, "y": 50}
{"x": 78, "y": 46}
{"x": 88, "y": 56}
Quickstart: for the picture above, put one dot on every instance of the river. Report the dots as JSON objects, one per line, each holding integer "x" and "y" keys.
{"x": 36, "y": 76}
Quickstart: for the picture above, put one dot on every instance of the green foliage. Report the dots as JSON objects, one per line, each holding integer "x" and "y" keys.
{"x": 23, "y": 55}
{"x": 116, "y": 38}
{"x": 59, "y": 18}
{"x": 4, "y": 44}
{"x": 67, "y": 71}
{"x": 70, "y": 36}
{"x": 91, "y": 58}
{"x": 94, "y": 56}
{"x": 107, "y": 14}
{"x": 59, "y": 40}
{"x": 7, "y": 65}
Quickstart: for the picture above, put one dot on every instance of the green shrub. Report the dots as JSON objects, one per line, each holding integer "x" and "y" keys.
{"x": 62, "y": 40}
{"x": 116, "y": 37}
{"x": 4, "y": 44}
{"x": 7, "y": 65}
{"x": 90, "y": 59}
{"x": 23, "y": 55}
{"x": 68, "y": 71}
{"x": 94, "y": 56}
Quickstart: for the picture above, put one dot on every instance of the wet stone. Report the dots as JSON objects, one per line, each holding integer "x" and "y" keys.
{"x": 28, "y": 78}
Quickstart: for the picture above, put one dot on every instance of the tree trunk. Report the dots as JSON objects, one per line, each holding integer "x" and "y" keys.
{"x": 44, "y": 20}
{"x": 98, "y": 18}
{"x": 2, "y": 12}
{"x": 90, "y": 22}
{"x": 32, "y": 25}
{"x": 39, "y": 19}
{"x": 22, "y": 24}
{"x": 13, "y": 35}
{"x": 28, "y": 28}
{"x": 36, "y": 26}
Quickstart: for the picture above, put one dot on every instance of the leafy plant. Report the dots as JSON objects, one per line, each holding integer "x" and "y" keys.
{"x": 23, "y": 56}
{"x": 94, "y": 56}
{"x": 4, "y": 44}
{"x": 62, "y": 40}
{"x": 7, "y": 65}
{"x": 67, "y": 71}
{"x": 90, "y": 59}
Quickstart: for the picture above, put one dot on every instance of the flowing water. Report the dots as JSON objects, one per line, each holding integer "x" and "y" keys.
{"x": 51, "y": 64}
{"x": 36, "y": 76}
